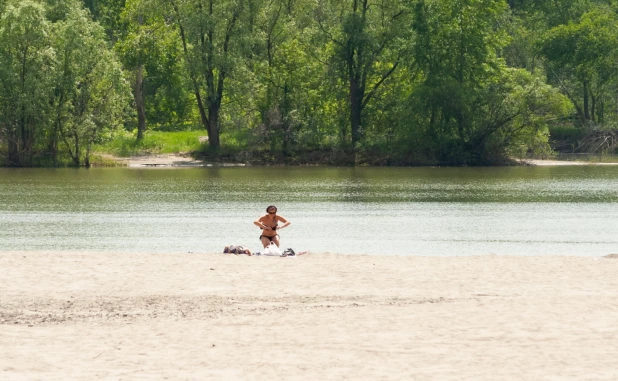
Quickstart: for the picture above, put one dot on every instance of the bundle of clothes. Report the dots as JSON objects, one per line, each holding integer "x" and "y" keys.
{"x": 233, "y": 249}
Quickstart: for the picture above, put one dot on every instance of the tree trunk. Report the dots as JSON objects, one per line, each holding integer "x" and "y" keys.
{"x": 287, "y": 126}
{"x": 27, "y": 142}
{"x": 356, "y": 103}
{"x": 87, "y": 157}
{"x": 13, "y": 151}
{"x": 138, "y": 94}
{"x": 54, "y": 150}
{"x": 461, "y": 125}
{"x": 76, "y": 156}
{"x": 593, "y": 108}
{"x": 194, "y": 81}
{"x": 53, "y": 144}
{"x": 213, "y": 125}
{"x": 586, "y": 101}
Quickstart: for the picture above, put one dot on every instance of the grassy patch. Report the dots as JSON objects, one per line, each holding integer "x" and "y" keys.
{"x": 104, "y": 161}
{"x": 565, "y": 132}
{"x": 154, "y": 142}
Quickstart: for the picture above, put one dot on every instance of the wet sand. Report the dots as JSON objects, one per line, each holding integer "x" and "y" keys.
{"x": 127, "y": 316}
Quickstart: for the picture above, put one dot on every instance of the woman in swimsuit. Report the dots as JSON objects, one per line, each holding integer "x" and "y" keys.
{"x": 269, "y": 223}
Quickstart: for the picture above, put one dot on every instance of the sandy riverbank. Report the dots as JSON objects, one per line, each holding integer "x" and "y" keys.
{"x": 155, "y": 161}
{"x": 111, "y": 316}
{"x": 549, "y": 163}
{"x": 179, "y": 160}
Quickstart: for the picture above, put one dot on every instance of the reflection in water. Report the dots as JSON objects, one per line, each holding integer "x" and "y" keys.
{"x": 407, "y": 211}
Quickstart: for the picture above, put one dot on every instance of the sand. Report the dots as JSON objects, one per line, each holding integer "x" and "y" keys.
{"x": 184, "y": 160}
{"x": 157, "y": 161}
{"x": 177, "y": 160}
{"x": 554, "y": 163}
{"x": 113, "y": 316}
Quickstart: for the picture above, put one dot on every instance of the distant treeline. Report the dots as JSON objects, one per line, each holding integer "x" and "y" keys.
{"x": 372, "y": 82}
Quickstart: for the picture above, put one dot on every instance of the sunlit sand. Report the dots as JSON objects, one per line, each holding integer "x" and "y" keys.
{"x": 104, "y": 316}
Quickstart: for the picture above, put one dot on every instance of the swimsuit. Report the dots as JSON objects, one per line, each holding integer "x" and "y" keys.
{"x": 270, "y": 238}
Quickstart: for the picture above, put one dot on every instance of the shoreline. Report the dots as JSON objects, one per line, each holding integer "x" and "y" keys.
{"x": 193, "y": 316}
{"x": 185, "y": 161}
{"x": 165, "y": 161}
{"x": 549, "y": 163}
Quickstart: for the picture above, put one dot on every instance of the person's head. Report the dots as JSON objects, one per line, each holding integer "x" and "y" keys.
{"x": 272, "y": 210}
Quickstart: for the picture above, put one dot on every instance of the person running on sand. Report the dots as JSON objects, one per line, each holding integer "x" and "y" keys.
{"x": 269, "y": 223}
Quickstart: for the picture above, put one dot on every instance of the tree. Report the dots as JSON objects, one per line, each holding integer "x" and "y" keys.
{"x": 281, "y": 75}
{"x": 108, "y": 14}
{"x": 25, "y": 78}
{"x": 208, "y": 32}
{"x": 60, "y": 83}
{"x": 365, "y": 38}
{"x": 512, "y": 117}
{"x": 461, "y": 102}
{"x": 581, "y": 60}
{"x": 89, "y": 93}
{"x": 139, "y": 46}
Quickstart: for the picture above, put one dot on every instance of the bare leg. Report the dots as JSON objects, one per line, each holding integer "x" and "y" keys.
{"x": 276, "y": 240}
{"x": 265, "y": 242}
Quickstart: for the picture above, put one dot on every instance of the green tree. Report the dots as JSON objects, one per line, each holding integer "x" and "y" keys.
{"x": 90, "y": 92}
{"x": 461, "y": 102}
{"x": 364, "y": 38}
{"x": 26, "y": 73}
{"x": 60, "y": 83}
{"x": 581, "y": 59}
{"x": 108, "y": 14}
{"x": 286, "y": 78}
{"x": 150, "y": 53}
{"x": 209, "y": 31}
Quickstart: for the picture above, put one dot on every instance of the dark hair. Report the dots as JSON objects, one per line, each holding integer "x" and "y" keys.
{"x": 270, "y": 207}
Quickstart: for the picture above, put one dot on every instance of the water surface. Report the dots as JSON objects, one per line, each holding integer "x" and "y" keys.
{"x": 411, "y": 211}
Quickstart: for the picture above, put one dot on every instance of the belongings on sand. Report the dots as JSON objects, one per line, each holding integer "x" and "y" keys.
{"x": 232, "y": 249}
{"x": 286, "y": 253}
{"x": 272, "y": 249}
{"x": 269, "y": 251}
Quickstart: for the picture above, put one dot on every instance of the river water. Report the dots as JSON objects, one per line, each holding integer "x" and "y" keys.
{"x": 567, "y": 210}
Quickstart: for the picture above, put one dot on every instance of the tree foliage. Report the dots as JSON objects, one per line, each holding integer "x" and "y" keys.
{"x": 26, "y": 58}
{"x": 346, "y": 81}
{"x": 61, "y": 85}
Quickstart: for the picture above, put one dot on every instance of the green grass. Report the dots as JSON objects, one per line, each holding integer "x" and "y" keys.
{"x": 103, "y": 161}
{"x": 154, "y": 142}
{"x": 565, "y": 132}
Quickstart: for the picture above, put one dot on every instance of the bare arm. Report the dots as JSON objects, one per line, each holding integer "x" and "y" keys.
{"x": 260, "y": 224}
{"x": 286, "y": 223}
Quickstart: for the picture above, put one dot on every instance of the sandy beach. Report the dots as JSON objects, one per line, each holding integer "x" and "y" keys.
{"x": 195, "y": 316}
{"x": 185, "y": 160}
{"x": 553, "y": 163}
